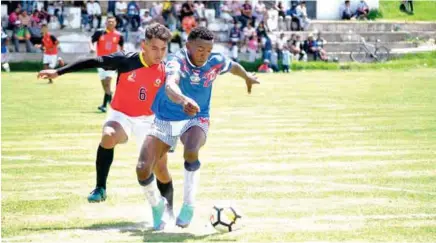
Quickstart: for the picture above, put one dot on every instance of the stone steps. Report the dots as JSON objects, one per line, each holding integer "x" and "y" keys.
{"x": 371, "y": 26}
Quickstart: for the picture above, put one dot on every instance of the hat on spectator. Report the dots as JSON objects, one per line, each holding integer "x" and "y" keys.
{"x": 266, "y": 61}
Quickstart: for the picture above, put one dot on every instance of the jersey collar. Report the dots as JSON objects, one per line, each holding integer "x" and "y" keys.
{"x": 141, "y": 58}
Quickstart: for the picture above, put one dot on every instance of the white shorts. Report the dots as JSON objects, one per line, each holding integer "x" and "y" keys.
{"x": 169, "y": 131}
{"x": 103, "y": 74}
{"x": 5, "y": 57}
{"x": 139, "y": 126}
{"x": 50, "y": 60}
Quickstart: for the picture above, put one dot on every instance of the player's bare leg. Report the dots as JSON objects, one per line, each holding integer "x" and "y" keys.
{"x": 106, "y": 84}
{"x": 165, "y": 182}
{"x": 193, "y": 139}
{"x": 50, "y": 81}
{"x": 113, "y": 134}
{"x": 152, "y": 150}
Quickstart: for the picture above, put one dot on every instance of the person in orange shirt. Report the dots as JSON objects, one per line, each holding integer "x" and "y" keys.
{"x": 108, "y": 41}
{"x": 49, "y": 45}
{"x": 140, "y": 76}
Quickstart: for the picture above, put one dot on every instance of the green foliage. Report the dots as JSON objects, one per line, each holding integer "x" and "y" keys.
{"x": 375, "y": 14}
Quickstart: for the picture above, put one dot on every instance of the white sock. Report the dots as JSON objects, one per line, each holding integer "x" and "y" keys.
{"x": 190, "y": 186}
{"x": 152, "y": 193}
{"x": 6, "y": 67}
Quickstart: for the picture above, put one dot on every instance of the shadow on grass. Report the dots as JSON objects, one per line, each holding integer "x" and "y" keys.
{"x": 139, "y": 229}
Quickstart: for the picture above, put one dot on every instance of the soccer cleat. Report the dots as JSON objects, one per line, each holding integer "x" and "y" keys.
{"x": 185, "y": 216}
{"x": 102, "y": 109}
{"x": 158, "y": 215}
{"x": 97, "y": 195}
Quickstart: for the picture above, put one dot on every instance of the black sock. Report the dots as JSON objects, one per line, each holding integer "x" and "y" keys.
{"x": 103, "y": 164}
{"x": 107, "y": 99}
{"x": 167, "y": 191}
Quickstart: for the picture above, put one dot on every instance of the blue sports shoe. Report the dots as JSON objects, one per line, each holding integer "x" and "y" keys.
{"x": 185, "y": 216}
{"x": 97, "y": 195}
{"x": 158, "y": 215}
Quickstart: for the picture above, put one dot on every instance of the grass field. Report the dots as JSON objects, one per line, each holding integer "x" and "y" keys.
{"x": 309, "y": 156}
{"x": 424, "y": 10}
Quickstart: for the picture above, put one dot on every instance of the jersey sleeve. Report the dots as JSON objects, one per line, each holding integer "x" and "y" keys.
{"x": 173, "y": 66}
{"x": 53, "y": 38}
{"x": 121, "y": 42}
{"x": 227, "y": 64}
{"x": 96, "y": 36}
{"x": 113, "y": 61}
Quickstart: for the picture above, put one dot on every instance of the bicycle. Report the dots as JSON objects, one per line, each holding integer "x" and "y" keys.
{"x": 369, "y": 53}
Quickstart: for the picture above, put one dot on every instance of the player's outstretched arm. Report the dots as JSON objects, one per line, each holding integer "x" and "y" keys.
{"x": 250, "y": 78}
{"x": 110, "y": 62}
{"x": 173, "y": 92}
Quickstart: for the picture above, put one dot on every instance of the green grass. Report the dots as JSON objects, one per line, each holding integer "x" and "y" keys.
{"x": 424, "y": 11}
{"x": 310, "y": 156}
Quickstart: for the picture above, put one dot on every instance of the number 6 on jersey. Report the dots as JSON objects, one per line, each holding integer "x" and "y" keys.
{"x": 142, "y": 93}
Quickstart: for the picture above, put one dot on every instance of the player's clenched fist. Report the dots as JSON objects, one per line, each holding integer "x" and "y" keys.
{"x": 48, "y": 74}
{"x": 190, "y": 107}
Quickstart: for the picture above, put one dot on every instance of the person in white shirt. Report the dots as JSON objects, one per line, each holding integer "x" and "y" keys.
{"x": 260, "y": 12}
{"x": 280, "y": 44}
{"x": 121, "y": 15}
{"x": 94, "y": 12}
{"x": 362, "y": 9}
{"x": 302, "y": 16}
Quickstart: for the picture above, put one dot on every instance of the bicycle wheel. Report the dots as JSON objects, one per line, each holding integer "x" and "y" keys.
{"x": 382, "y": 54}
{"x": 359, "y": 55}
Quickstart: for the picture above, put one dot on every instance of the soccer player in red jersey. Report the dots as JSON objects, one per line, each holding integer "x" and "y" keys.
{"x": 107, "y": 41}
{"x": 140, "y": 75}
{"x": 49, "y": 44}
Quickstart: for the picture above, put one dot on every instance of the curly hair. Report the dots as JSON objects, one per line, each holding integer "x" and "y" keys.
{"x": 202, "y": 33}
{"x": 156, "y": 30}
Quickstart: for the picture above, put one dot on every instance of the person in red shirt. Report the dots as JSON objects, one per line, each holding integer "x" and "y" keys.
{"x": 140, "y": 76}
{"x": 49, "y": 45}
{"x": 108, "y": 41}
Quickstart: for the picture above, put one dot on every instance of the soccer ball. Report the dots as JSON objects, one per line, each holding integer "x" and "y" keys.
{"x": 224, "y": 219}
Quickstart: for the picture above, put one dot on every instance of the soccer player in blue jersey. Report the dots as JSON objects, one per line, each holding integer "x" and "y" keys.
{"x": 182, "y": 110}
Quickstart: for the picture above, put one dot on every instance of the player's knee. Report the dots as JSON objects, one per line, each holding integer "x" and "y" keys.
{"x": 190, "y": 154}
{"x": 108, "y": 140}
{"x": 144, "y": 166}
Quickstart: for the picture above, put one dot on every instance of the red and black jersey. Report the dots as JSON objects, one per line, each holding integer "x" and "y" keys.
{"x": 49, "y": 43}
{"x": 137, "y": 83}
{"x": 107, "y": 41}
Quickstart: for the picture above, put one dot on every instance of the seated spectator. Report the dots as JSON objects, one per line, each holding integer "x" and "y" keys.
{"x": 286, "y": 60}
{"x": 226, "y": 11}
{"x": 362, "y": 10}
{"x": 313, "y": 48}
{"x": 266, "y": 47}
{"x": 235, "y": 34}
{"x": 84, "y": 17}
{"x": 252, "y": 48}
{"x": 264, "y": 68}
{"x": 282, "y": 16}
{"x": 171, "y": 22}
{"x": 111, "y": 7}
{"x": 320, "y": 42}
{"x": 93, "y": 10}
{"x": 261, "y": 29}
{"x": 187, "y": 10}
{"x": 34, "y": 19}
{"x": 302, "y": 16}
{"x": 24, "y": 18}
{"x": 248, "y": 32}
{"x": 297, "y": 49}
{"x": 199, "y": 13}
{"x": 292, "y": 20}
{"x": 146, "y": 18}
{"x": 133, "y": 15}
{"x": 156, "y": 10}
{"x": 246, "y": 14}
{"x": 260, "y": 12}
{"x": 166, "y": 9}
{"x": 21, "y": 34}
{"x": 13, "y": 17}
{"x": 346, "y": 11}
{"x": 236, "y": 9}
{"x": 59, "y": 12}
{"x": 121, "y": 15}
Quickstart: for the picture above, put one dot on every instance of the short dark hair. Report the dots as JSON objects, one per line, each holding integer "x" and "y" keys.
{"x": 44, "y": 25}
{"x": 202, "y": 33}
{"x": 111, "y": 17}
{"x": 157, "y": 30}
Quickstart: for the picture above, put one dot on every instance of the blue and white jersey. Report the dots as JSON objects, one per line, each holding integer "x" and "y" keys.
{"x": 195, "y": 82}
